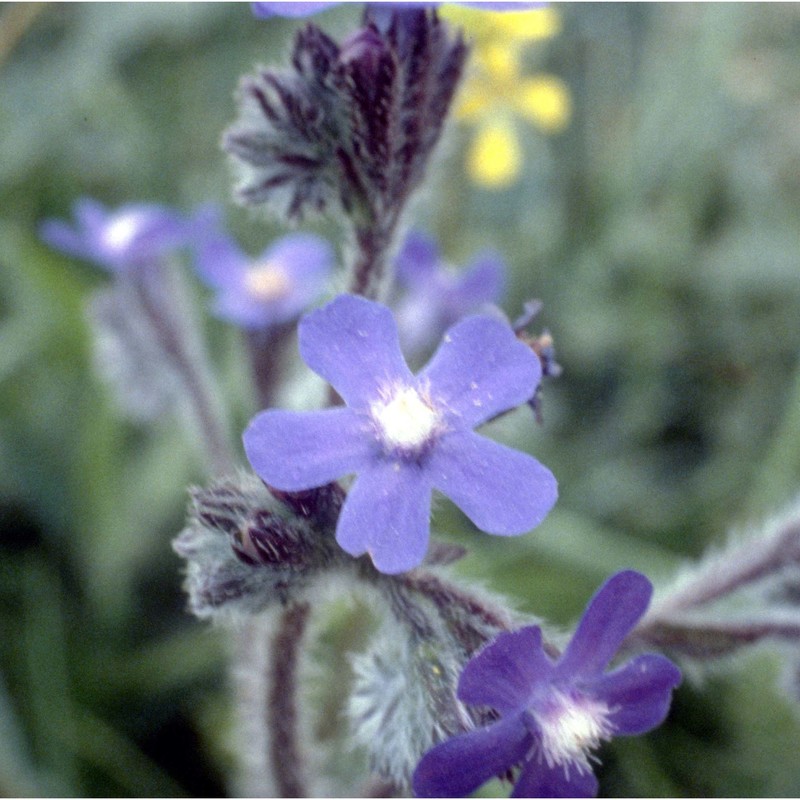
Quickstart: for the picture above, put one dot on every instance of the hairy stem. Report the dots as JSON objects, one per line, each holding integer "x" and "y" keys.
{"x": 163, "y": 298}
{"x": 709, "y": 639}
{"x": 444, "y": 593}
{"x": 470, "y": 619}
{"x": 266, "y": 349}
{"x": 370, "y": 275}
{"x": 250, "y": 648}
{"x": 282, "y": 715}
{"x": 752, "y": 560}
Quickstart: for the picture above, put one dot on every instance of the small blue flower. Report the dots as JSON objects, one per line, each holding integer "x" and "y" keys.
{"x": 432, "y": 295}
{"x": 286, "y": 9}
{"x": 301, "y": 9}
{"x": 119, "y": 240}
{"x": 404, "y": 435}
{"x": 287, "y": 278}
{"x": 554, "y": 713}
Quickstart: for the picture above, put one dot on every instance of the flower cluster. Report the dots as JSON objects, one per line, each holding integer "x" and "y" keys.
{"x": 454, "y": 687}
{"x": 553, "y": 714}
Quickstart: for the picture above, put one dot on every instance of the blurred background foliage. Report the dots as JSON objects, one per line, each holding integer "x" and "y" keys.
{"x": 661, "y": 229}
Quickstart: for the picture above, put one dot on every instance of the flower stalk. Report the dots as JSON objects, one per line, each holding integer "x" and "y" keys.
{"x": 163, "y": 298}
{"x": 285, "y": 750}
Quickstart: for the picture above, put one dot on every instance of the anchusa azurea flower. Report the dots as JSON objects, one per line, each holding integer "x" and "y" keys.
{"x": 432, "y": 295}
{"x": 118, "y": 240}
{"x": 554, "y": 713}
{"x": 405, "y": 435}
{"x": 274, "y": 288}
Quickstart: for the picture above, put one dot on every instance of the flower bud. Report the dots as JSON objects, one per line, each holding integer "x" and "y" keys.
{"x": 404, "y": 700}
{"x": 245, "y": 550}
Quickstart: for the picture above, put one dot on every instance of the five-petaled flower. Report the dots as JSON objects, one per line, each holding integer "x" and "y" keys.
{"x": 270, "y": 290}
{"x": 404, "y": 435}
{"x": 134, "y": 234}
{"x": 553, "y": 714}
{"x": 432, "y": 295}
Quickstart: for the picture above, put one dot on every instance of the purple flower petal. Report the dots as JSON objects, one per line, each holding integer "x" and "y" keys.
{"x": 239, "y": 308}
{"x": 118, "y": 240}
{"x": 457, "y": 767}
{"x": 608, "y": 619}
{"x": 139, "y": 232}
{"x": 417, "y": 260}
{"x": 501, "y": 676}
{"x": 62, "y": 236}
{"x": 503, "y": 491}
{"x": 481, "y": 369}
{"x": 300, "y": 264}
{"x": 639, "y": 693}
{"x": 220, "y": 262}
{"x": 387, "y": 514}
{"x": 537, "y": 779}
{"x": 433, "y": 296}
{"x": 306, "y": 256}
{"x": 265, "y": 10}
{"x": 353, "y": 344}
{"x": 90, "y": 214}
{"x": 293, "y": 450}
{"x": 299, "y": 9}
{"x": 483, "y": 281}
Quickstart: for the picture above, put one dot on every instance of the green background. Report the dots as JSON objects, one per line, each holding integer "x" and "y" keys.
{"x": 662, "y": 232}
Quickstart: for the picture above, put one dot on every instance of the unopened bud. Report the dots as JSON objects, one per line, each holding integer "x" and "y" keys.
{"x": 245, "y": 550}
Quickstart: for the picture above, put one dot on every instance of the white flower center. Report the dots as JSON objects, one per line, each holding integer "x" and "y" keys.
{"x": 119, "y": 234}
{"x": 406, "y": 420}
{"x": 267, "y": 281}
{"x": 571, "y": 727}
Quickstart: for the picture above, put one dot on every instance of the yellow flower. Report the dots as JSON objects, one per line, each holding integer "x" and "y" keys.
{"x": 495, "y": 157}
{"x": 496, "y": 91}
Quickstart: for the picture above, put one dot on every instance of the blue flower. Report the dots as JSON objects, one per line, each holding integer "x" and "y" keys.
{"x": 553, "y": 714}
{"x": 286, "y": 9}
{"x": 404, "y": 435}
{"x": 257, "y": 293}
{"x": 135, "y": 233}
{"x": 300, "y": 9}
{"x": 432, "y": 295}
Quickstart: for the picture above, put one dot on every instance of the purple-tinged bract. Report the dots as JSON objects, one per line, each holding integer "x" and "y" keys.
{"x": 404, "y": 435}
{"x": 348, "y": 127}
{"x": 135, "y": 233}
{"x": 432, "y": 295}
{"x": 275, "y": 288}
{"x": 553, "y": 714}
